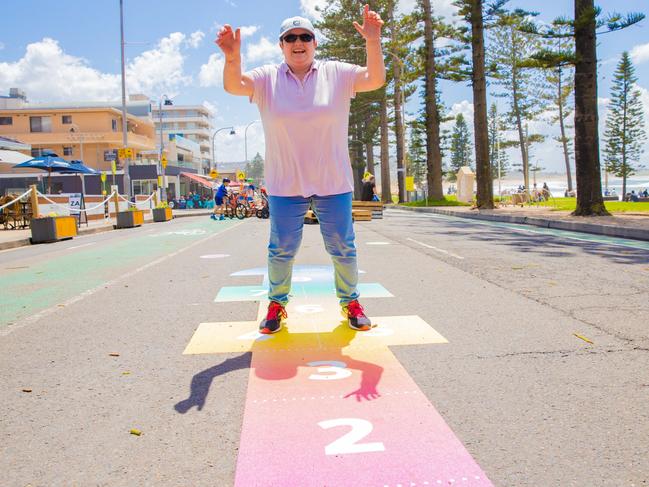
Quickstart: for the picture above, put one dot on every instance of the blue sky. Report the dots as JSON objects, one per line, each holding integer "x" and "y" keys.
{"x": 69, "y": 50}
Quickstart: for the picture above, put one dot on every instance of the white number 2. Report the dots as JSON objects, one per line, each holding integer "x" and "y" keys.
{"x": 347, "y": 443}
{"x": 335, "y": 368}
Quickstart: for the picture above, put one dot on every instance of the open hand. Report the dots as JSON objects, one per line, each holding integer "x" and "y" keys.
{"x": 229, "y": 41}
{"x": 372, "y": 23}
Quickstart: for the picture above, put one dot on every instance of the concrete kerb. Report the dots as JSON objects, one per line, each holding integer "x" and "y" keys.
{"x": 22, "y": 242}
{"x": 573, "y": 226}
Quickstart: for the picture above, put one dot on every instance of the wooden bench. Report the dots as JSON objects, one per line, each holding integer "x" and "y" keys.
{"x": 361, "y": 215}
{"x": 374, "y": 207}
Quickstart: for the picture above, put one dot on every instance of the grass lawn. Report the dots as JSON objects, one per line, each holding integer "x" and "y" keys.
{"x": 568, "y": 204}
{"x": 449, "y": 200}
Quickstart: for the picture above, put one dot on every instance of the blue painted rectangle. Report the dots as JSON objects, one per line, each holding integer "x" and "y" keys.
{"x": 260, "y": 293}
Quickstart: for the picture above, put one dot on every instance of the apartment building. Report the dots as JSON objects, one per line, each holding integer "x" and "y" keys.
{"x": 89, "y": 132}
{"x": 191, "y": 122}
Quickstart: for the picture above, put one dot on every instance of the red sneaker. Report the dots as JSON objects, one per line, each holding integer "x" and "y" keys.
{"x": 273, "y": 321}
{"x": 356, "y": 318}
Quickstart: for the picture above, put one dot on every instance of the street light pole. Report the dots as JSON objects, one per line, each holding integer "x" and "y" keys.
{"x": 127, "y": 179}
{"x": 245, "y": 138}
{"x": 167, "y": 101}
{"x": 232, "y": 132}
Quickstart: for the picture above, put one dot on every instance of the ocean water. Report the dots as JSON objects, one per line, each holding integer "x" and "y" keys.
{"x": 558, "y": 186}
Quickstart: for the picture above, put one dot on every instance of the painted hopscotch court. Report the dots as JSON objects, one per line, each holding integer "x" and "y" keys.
{"x": 329, "y": 406}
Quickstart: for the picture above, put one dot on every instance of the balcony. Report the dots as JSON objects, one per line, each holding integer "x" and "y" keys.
{"x": 137, "y": 141}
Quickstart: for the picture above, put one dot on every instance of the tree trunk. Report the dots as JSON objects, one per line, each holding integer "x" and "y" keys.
{"x": 386, "y": 194}
{"x": 562, "y": 125}
{"x": 589, "y": 180}
{"x": 433, "y": 149}
{"x": 480, "y": 126}
{"x": 369, "y": 149}
{"x": 522, "y": 139}
{"x": 398, "y": 127}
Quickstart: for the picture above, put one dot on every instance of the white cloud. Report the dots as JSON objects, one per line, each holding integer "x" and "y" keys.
{"x": 159, "y": 69}
{"x": 2, "y": 46}
{"x": 263, "y": 51}
{"x": 640, "y": 53}
{"x": 465, "y": 107}
{"x": 47, "y": 73}
{"x": 441, "y": 8}
{"x": 195, "y": 39}
{"x": 248, "y": 30}
{"x": 310, "y": 8}
{"x": 211, "y": 74}
{"x": 213, "y": 109}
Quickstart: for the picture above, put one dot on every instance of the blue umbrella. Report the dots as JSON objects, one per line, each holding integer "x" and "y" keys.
{"x": 52, "y": 163}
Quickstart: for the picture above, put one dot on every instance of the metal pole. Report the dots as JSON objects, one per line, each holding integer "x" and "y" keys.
{"x": 127, "y": 179}
{"x": 245, "y": 138}
{"x": 160, "y": 166}
{"x": 213, "y": 135}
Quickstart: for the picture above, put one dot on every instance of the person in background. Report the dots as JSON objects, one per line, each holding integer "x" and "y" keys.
{"x": 304, "y": 105}
{"x": 219, "y": 200}
{"x": 368, "y": 191}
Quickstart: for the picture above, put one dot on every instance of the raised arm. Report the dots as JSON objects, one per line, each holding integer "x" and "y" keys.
{"x": 234, "y": 82}
{"x": 372, "y": 77}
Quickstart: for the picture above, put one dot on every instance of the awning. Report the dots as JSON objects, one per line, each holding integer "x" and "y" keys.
{"x": 200, "y": 180}
{"x": 13, "y": 157}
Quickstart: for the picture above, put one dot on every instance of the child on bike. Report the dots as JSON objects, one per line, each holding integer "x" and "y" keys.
{"x": 219, "y": 200}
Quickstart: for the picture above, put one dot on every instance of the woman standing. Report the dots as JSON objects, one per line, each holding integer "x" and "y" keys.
{"x": 304, "y": 107}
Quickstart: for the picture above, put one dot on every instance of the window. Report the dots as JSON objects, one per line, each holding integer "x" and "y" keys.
{"x": 40, "y": 124}
{"x": 114, "y": 125}
{"x": 6, "y": 121}
{"x": 66, "y": 119}
{"x": 144, "y": 186}
{"x": 67, "y": 151}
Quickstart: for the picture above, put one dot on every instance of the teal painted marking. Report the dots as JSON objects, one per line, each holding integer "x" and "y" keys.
{"x": 50, "y": 282}
{"x": 585, "y": 237}
{"x": 315, "y": 290}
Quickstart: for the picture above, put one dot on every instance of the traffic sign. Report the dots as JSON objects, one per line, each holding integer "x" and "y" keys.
{"x": 113, "y": 167}
{"x": 163, "y": 161}
{"x": 241, "y": 175}
{"x": 125, "y": 153}
{"x": 214, "y": 174}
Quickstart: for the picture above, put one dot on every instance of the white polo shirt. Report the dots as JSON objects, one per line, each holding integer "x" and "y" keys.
{"x": 305, "y": 126}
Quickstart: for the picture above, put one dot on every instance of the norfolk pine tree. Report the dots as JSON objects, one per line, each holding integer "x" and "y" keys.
{"x": 472, "y": 11}
{"x": 625, "y": 130}
{"x": 584, "y": 28}
{"x": 509, "y": 48}
{"x": 460, "y": 146}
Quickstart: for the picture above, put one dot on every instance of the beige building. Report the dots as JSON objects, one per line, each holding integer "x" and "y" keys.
{"x": 89, "y": 133}
{"x": 192, "y": 122}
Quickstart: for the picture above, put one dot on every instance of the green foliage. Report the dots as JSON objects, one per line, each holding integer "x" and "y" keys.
{"x": 497, "y": 155}
{"x": 625, "y": 130}
{"x": 450, "y": 200}
{"x": 417, "y": 151}
{"x": 255, "y": 168}
{"x": 461, "y": 147}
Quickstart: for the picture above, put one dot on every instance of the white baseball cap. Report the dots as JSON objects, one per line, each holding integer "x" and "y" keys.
{"x": 296, "y": 23}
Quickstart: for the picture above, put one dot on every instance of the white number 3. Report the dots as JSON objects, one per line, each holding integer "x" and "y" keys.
{"x": 347, "y": 443}
{"x": 334, "y": 370}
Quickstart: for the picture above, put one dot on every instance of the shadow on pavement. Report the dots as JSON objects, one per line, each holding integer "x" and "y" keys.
{"x": 277, "y": 357}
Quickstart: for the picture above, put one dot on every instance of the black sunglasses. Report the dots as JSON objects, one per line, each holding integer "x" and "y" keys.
{"x": 291, "y": 38}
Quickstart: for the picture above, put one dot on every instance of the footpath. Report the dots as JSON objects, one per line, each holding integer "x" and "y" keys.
{"x": 19, "y": 238}
{"x": 621, "y": 224}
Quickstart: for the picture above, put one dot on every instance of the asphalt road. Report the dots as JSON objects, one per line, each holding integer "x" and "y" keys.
{"x": 534, "y": 404}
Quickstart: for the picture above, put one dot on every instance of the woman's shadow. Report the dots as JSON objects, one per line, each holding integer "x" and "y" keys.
{"x": 266, "y": 368}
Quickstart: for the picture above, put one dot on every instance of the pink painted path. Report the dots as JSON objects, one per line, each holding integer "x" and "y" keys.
{"x": 330, "y": 407}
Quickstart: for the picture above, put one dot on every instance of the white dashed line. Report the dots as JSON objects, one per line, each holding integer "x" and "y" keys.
{"x": 442, "y": 251}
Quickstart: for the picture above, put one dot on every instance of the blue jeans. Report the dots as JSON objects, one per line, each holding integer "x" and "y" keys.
{"x": 286, "y": 221}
